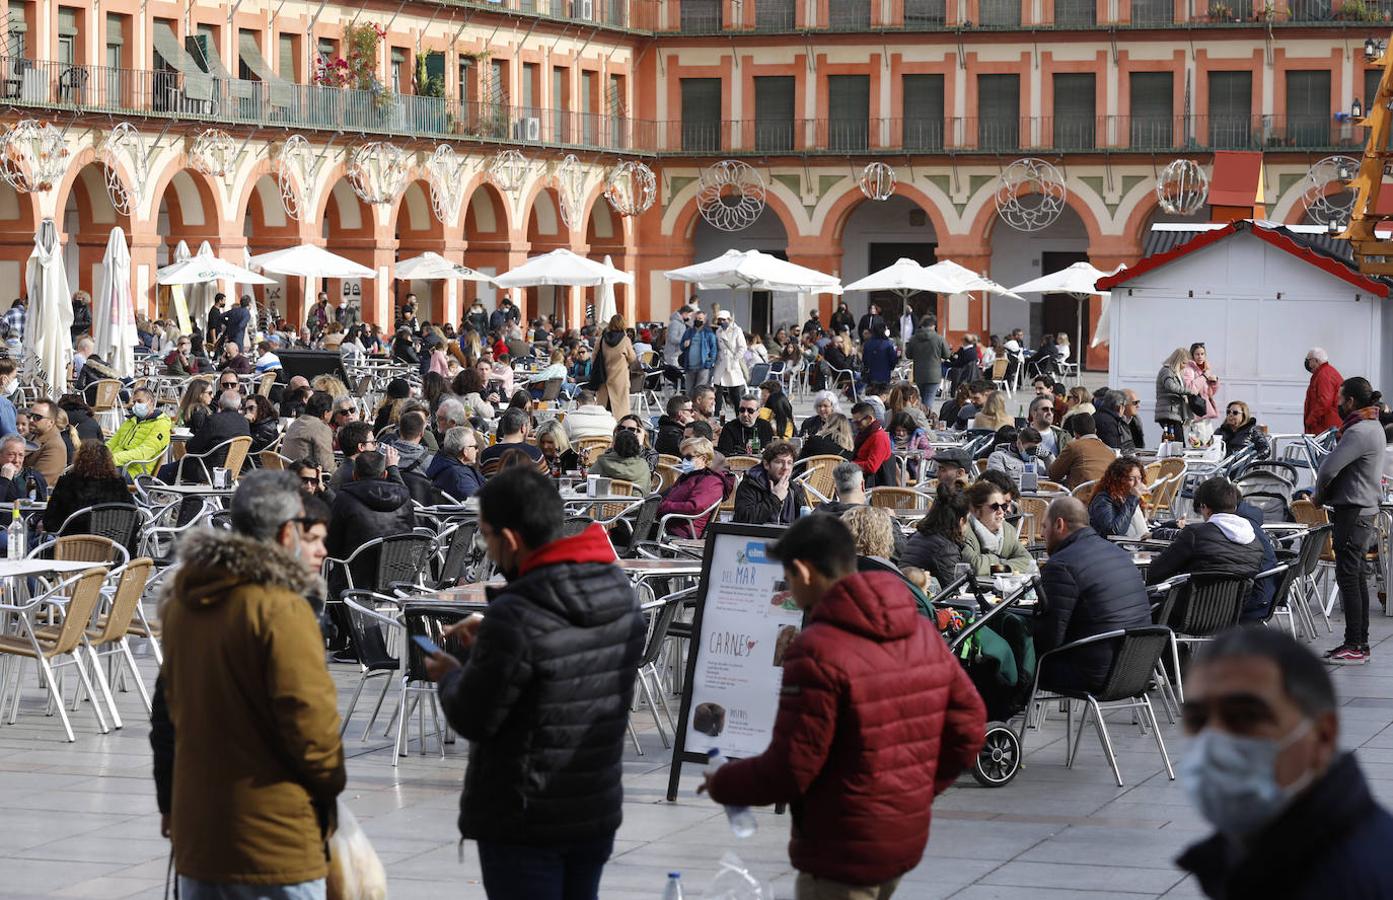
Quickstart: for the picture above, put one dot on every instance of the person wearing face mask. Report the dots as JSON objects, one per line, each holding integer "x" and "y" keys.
{"x": 698, "y": 350}
{"x": 141, "y": 441}
{"x": 703, "y": 480}
{"x": 1349, "y": 481}
{"x": 1020, "y": 456}
{"x": 9, "y": 388}
{"x": 240, "y": 596}
{"x": 554, "y": 658}
{"x": 729, "y": 373}
{"x": 1321, "y": 412}
{"x": 1293, "y": 814}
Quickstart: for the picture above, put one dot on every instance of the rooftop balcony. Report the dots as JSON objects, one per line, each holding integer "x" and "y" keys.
{"x": 710, "y": 17}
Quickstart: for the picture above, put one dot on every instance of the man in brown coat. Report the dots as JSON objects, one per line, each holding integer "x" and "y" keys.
{"x": 310, "y": 437}
{"x": 1085, "y": 458}
{"x": 51, "y": 457}
{"x": 248, "y": 763}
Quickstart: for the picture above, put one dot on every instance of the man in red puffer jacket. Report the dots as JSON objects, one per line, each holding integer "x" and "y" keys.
{"x": 876, "y": 718}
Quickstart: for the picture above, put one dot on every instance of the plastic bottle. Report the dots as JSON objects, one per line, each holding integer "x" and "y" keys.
{"x": 16, "y": 536}
{"x": 674, "y": 886}
{"x": 742, "y": 820}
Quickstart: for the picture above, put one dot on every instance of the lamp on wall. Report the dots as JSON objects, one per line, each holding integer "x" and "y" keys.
{"x": 1356, "y": 109}
{"x": 1373, "y": 48}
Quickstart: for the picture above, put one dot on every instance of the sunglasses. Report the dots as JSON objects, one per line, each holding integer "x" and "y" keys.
{"x": 1235, "y": 412}
{"x": 749, "y": 409}
{"x": 630, "y": 428}
{"x": 999, "y": 507}
{"x": 312, "y": 482}
{"x": 228, "y": 385}
{"x": 35, "y": 417}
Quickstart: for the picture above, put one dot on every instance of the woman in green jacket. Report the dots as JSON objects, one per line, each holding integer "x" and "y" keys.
{"x": 139, "y": 445}
{"x": 989, "y": 539}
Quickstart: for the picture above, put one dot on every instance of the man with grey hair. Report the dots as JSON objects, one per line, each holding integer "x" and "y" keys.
{"x": 17, "y": 480}
{"x": 451, "y": 413}
{"x": 248, "y": 762}
{"x": 1321, "y": 411}
{"x": 221, "y": 427}
{"x": 849, "y": 487}
{"x": 455, "y": 469}
{"x": 1107, "y": 418}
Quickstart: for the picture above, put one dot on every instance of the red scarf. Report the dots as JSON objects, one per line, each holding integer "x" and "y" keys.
{"x": 1359, "y": 415}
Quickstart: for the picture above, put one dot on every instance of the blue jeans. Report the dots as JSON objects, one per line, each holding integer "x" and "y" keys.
{"x": 192, "y": 889}
{"x": 555, "y": 872}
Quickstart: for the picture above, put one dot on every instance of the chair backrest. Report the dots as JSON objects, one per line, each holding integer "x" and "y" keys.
{"x": 817, "y": 475}
{"x": 1134, "y": 662}
{"x": 401, "y": 557}
{"x": 85, "y": 548}
{"x": 592, "y": 447}
{"x": 667, "y": 459}
{"x": 1287, "y": 574}
{"x": 1084, "y": 492}
{"x": 1208, "y": 604}
{"x": 999, "y": 369}
{"x": 120, "y": 522}
{"x": 741, "y": 464}
{"x": 668, "y": 476}
{"x": 267, "y": 380}
{"x": 661, "y": 622}
{"x": 1304, "y": 512}
{"x": 458, "y": 554}
{"x": 897, "y": 498}
{"x": 489, "y": 467}
{"x": 574, "y": 525}
{"x": 645, "y": 520}
{"x": 107, "y": 391}
{"x": 1044, "y": 485}
{"x": 551, "y": 389}
{"x": 129, "y": 590}
{"x": 369, "y": 629}
{"x": 621, "y": 488}
{"x": 236, "y": 455}
{"x": 1033, "y": 526}
{"x": 1172, "y": 466}
{"x": 759, "y": 373}
{"x": 1314, "y": 546}
{"x": 270, "y": 459}
{"x": 83, "y": 595}
{"x": 1153, "y": 472}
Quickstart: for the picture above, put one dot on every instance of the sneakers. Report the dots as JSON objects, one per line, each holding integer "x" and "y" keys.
{"x": 1348, "y": 655}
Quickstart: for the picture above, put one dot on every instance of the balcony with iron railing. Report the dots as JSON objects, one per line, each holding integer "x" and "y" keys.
{"x": 1033, "y": 134}
{"x": 58, "y": 87}
{"x": 710, "y": 17}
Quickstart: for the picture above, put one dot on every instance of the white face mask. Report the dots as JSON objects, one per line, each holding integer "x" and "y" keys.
{"x": 141, "y": 410}
{"x": 1233, "y": 780}
{"x": 11, "y": 387}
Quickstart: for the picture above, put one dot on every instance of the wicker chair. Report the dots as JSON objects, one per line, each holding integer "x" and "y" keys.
{"x": 816, "y": 477}
{"x": 897, "y": 498}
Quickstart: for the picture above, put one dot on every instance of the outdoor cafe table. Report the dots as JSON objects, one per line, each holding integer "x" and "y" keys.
{"x": 25, "y": 568}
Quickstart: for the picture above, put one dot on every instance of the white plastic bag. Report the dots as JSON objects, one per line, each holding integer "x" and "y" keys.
{"x": 734, "y": 882}
{"x": 355, "y": 872}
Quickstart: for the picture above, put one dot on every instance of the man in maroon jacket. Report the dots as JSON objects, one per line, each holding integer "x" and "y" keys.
{"x": 875, "y": 719}
{"x": 1321, "y": 412}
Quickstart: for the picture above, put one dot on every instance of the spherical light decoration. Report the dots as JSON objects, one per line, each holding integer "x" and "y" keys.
{"x": 295, "y": 166}
{"x": 877, "y": 181}
{"x": 1031, "y": 195}
{"x": 1326, "y": 190}
{"x": 731, "y": 196}
{"x": 508, "y": 170}
{"x": 631, "y": 188}
{"x": 378, "y": 171}
{"x": 445, "y": 172}
{"x": 1182, "y": 188}
{"x": 213, "y": 153}
{"x": 570, "y": 189}
{"x": 33, "y": 156}
{"x": 124, "y": 144}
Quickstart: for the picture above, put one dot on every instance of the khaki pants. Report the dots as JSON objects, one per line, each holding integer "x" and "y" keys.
{"x": 810, "y": 887}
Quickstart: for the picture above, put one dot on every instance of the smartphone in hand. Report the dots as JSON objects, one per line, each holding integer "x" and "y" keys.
{"x": 430, "y": 647}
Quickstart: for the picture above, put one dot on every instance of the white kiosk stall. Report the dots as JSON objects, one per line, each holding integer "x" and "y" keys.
{"x": 1259, "y": 295}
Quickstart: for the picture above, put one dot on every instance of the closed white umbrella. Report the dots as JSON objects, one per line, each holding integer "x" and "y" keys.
{"x": 756, "y": 271}
{"x": 309, "y": 261}
{"x": 605, "y": 306}
{"x": 1080, "y": 281}
{"x": 434, "y": 267}
{"x": 177, "y": 301}
{"x": 49, "y": 318}
{"x": 200, "y": 293}
{"x": 113, "y": 314}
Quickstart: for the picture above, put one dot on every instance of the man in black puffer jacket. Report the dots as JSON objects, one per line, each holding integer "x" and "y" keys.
{"x": 542, "y": 690}
{"x": 370, "y": 506}
{"x": 767, "y": 495}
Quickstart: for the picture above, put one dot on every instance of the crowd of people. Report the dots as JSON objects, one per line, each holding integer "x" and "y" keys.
{"x": 472, "y": 415}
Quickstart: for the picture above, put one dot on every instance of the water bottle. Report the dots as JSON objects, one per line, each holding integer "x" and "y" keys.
{"x": 16, "y": 536}
{"x": 804, "y": 510}
{"x": 742, "y": 820}
{"x": 674, "y": 886}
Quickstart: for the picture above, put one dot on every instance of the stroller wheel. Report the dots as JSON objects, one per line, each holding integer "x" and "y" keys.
{"x": 1000, "y": 758}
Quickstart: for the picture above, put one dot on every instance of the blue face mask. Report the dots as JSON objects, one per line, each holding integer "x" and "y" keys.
{"x": 141, "y": 410}
{"x": 685, "y": 466}
{"x": 1232, "y": 780}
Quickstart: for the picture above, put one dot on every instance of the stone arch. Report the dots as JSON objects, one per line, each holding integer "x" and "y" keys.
{"x": 684, "y": 227}
{"x": 841, "y": 211}
{"x": 985, "y": 221}
{"x": 86, "y": 217}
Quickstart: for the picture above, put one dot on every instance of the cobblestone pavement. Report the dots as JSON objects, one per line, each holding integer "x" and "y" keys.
{"x": 80, "y": 819}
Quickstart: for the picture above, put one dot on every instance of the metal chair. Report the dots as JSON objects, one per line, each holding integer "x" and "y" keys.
{"x": 835, "y": 375}
{"x": 662, "y": 611}
{"x": 1285, "y": 575}
{"x": 120, "y": 522}
{"x": 1314, "y": 553}
{"x": 229, "y": 455}
{"x": 1198, "y": 607}
{"x": 1136, "y": 657}
{"x": 816, "y": 477}
{"x": 107, "y": 635}
{"x": 90, "y": 548}
{"x": 372, "y": 633}
{"x": 400, "y": 558}
{"x": 897, "y": 498}
{"x": 709, "y": 515}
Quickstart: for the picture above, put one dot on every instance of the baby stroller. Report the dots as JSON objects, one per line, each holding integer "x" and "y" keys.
{"x": 1269, "y": 485}
{"x": 998, "y": 652}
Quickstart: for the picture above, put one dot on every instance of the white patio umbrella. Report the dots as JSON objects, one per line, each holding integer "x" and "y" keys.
{"x": 199, "y": 295}
{"x": 562, "y": 268}
{"x": 177, "y": 299}
{"x": 1080, "y": 281}
{"x": 963, "y": 280}
{"x": 49, "y": 317}
{"x": 434, "y": 267}
{"x": 309, "y": 261}
{"x": 756, "y": 271}
{"x": 113, "y": 315}
{"x": 1100, "y": 334}
{"x": 605, "y": 306}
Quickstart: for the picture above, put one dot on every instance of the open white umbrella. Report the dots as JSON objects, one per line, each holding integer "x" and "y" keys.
{"x": 963, "y": 280}
{"x": 1080, "y": 281}
{"x": 206, "y": 268}
{"x": 434, "y": 267}
{"x": 113, "y": 315}
{"x": 309, "y": 261}
{"x": 49, "y": 318}
{"x": 756, "y": 271}
{"x": 562, "y": 268}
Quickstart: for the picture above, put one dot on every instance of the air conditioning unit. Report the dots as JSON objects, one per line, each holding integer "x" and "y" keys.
{"x": 585, "y": 9}
{"x": 528, "y": 129}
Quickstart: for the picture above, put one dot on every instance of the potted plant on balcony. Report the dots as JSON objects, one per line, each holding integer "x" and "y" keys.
{"x": 430, "y": 108}
{"x": 1220, "y": 12}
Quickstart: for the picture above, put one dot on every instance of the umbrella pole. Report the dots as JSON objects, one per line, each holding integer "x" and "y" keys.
{"x": 1080, "y": 350}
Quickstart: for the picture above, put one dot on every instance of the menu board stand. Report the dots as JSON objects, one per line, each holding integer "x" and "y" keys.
{"x": 744, "y": 621}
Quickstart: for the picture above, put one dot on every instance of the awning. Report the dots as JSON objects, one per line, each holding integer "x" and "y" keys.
{"x": 282, "y": 92}
{"x": 197, "y": 84}
{"x": 205, "y": 52}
